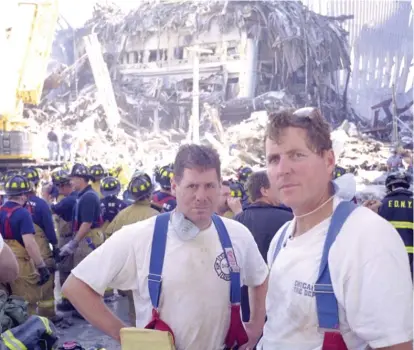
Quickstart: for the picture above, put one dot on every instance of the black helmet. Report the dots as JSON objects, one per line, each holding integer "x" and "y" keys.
{"x": 17, "y": 185}
{"x": 31, "y": 174}
{"x": 243, "y": 173}
{"x": 97, "y": 171}
{"x": 338, "y": 172}
{"x": 110, "y": 186}
{"x": 60, "y": 177}
{"x": 140, "y": 186}
{"x": 164, "y": 176}
{"x": 80, "y": 170}
{"x": 398, "y": 179}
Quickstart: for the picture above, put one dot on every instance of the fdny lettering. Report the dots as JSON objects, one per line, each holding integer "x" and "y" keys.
{"x": 303, "y": 288}
{"x": 400, "y": 204}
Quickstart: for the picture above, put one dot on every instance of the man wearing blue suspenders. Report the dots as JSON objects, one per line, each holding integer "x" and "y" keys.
{"x": 339, "y": 275}
{"x": 184, "y": 268}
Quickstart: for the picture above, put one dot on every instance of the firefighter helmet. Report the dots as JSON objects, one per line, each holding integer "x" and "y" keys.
{"x": 110, "y": 186}
{"x": 338, "y": 171}
{"x": 31, "y": 174}
{"x": 80, "y": 170}
{"x": 97, "y": 171}
{"x": 236, "y": 189}
{"x": 243, "y": 173}
{"x": 17, "y": 185}
{"x": 164, "y": 176}
{"x": 398, "y": 179}
{"x": 140, "y": 186}
{"x": 60, "y": 177}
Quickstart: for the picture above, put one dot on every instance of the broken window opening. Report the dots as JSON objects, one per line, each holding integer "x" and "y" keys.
{"x": 232, "y": 51}
{"x": 152, "y": 56}
{"x": 179, "y": 53}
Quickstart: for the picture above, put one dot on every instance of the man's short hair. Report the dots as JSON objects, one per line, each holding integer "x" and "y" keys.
{"x": 194, "y": 156}
{"x": 255, "y": 183}
{"x": 317, "y": 128}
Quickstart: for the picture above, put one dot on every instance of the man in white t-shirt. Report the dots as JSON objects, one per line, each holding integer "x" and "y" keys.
{"x": 9, "y": 268}
{"x": 368, "y": 264}
{"x": 195, "y": 294}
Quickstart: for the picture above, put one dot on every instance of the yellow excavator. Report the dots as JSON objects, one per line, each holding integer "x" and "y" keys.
{"x": 26, "y": 36}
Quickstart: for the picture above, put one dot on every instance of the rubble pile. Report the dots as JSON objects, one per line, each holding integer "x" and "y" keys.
{"x": 306, "y": 49}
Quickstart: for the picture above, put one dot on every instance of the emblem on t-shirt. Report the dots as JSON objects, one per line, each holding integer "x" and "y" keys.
{"x": 222, "y": 267}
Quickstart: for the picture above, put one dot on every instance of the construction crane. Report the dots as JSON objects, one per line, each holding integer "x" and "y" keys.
{"x": 26, "y": 36}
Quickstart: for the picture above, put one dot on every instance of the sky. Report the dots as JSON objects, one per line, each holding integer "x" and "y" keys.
{"x": 77, "y": 12}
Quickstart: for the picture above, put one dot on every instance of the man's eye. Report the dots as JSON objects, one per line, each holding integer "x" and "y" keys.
{"x": 298, "y": 155}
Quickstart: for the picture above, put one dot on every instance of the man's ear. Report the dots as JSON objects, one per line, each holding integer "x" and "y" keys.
{"x": 330, "y": 161}
{"x": 173, "y": 186}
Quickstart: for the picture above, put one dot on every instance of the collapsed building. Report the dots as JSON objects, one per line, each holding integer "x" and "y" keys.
{"x": 251, "y": 57}
{"x": 244, "y": 55}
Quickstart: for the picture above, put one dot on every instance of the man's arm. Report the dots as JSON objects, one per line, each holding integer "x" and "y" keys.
{"x": 9, "y": 268}
{"x": 257, "y": 297}
{"x": 84, "y": 228}
{"x": 90, "y": 304}
{"x": 49, "y": 228}
{"x": 87, "y": 284}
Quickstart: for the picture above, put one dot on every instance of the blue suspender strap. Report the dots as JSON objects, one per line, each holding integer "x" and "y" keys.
{"x": 280, "y": 242}
{"x": 326, "y": 303}
{"x": 159, "y": 242}
{"x": 235, "y": 288}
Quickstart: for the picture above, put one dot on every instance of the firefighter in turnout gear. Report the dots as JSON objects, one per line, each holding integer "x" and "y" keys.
{"x": 139, "y": 189}
{"x": 63, "y": 211}
{"x": 45, "y": 237}
{"x": 397, "y": 208}
{"x": 97, "y": 173}
{"x": 87, "y": 218}
{"x": 111, "y": 205}
{"x": 18, "y": 232}
{"x": 243, "y": 174}
{"x": 163, "y": 200}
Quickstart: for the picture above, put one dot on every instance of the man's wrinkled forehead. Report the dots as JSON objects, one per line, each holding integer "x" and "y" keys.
{"x": 199, "y": 176}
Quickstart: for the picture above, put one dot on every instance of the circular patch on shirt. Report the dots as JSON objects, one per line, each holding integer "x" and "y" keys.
{"x": 222, "y": 267}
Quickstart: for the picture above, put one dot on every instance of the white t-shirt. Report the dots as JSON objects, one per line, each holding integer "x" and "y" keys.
{"x": 1, "y": 243}
{"x": 370, "y": 276}
{"x": 195, "y": 296}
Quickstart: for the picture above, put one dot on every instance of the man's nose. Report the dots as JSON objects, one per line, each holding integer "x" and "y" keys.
{"x": 201, "y": 193}
{"x": 285, "y": 166}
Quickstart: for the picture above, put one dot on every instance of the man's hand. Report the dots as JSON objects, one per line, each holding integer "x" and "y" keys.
{"x": 44, "y": 275}
{"x": 235, "y": 205}
{"x": 254, "y": 332}
{"x": 56, "y": 254}
{"x": 69, "y": 248}
{"x": 372, "y": 204}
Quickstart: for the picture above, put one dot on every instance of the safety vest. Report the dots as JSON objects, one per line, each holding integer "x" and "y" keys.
{"x": 6, "y": 227}
{"x": 326, "y": 302}
{"x": 236, "y": 334}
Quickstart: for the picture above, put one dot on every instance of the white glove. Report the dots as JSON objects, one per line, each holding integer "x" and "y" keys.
{"x": 69, "y": 248}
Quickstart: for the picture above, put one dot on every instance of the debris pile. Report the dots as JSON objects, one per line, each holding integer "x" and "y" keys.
{"x": 304, "y": 50}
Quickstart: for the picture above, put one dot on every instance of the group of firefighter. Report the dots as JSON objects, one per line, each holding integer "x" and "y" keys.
{"x": 53, "y": 226}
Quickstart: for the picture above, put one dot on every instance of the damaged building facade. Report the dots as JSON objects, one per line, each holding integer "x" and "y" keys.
{"x": 250, "y": 56}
